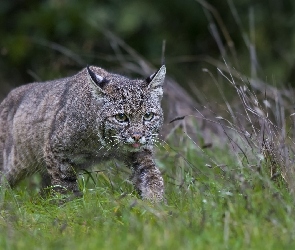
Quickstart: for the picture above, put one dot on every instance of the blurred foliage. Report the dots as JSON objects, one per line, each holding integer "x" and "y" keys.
{"x": 30, "y": 31}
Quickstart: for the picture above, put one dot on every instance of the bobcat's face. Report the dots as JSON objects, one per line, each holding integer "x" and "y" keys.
{"x": 131, "y": 116}
{"x": 134, "y": 120}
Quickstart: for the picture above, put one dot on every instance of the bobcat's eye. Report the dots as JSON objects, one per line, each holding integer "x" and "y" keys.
{"x": 121, "y": 117}
{"x": 148, "y": 116}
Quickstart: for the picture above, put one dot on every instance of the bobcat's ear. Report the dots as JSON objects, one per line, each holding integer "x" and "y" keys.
{"x": 156, "y": 80}
{"x": 98, "y": 81}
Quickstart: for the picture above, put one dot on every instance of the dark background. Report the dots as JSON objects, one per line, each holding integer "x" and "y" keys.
{"x": 42, "y": 40}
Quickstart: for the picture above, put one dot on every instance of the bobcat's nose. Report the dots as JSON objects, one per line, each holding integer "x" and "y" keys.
{"x": 136, "y": 137}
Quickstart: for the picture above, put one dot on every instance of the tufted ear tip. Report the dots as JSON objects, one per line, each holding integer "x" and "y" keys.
{"x": 96, "y": 79}
{"x": 156, "y": 81}
{"x": 158, "y": 75}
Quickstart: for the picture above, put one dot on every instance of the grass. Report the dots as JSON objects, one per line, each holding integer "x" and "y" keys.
{"x": 237, "y": 194}
{"x": 207, "y": 208}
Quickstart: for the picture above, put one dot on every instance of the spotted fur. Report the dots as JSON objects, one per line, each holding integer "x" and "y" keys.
{"x": 60, "y": 127}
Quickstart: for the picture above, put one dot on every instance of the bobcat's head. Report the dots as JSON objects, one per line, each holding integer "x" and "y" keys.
{"x": 130, "y": 114}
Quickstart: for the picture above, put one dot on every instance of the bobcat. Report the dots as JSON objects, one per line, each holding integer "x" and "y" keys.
{"x": 60, "y": 127}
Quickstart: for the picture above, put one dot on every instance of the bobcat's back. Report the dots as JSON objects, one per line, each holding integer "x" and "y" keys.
{"x": 26, "y": 116}
{"x": 7, "y": 111}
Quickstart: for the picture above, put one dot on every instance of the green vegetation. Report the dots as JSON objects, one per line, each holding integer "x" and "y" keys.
{"x": 31, "y": 29}
{"x": 208, "y": 207}
{"x": 234, "y": 190}
{"x": 204, "y": 211}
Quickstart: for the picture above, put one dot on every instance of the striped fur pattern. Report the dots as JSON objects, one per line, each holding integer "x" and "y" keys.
{"x": 60, "y": 127}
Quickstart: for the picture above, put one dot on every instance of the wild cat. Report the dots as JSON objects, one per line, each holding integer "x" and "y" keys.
{"x": 60, "y": 127}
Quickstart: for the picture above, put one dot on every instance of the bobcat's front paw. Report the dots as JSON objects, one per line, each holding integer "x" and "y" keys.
{"x": 152, "y": 195}
{"x": 146, "y": 177}
{"x": 149, "y": 184}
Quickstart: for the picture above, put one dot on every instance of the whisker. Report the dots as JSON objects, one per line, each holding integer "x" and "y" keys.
{"x": 112, "y": 146}
{"x": 116, "y": 136}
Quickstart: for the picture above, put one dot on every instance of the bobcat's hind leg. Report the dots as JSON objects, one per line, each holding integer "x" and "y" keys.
{"x": 146, "y": 177}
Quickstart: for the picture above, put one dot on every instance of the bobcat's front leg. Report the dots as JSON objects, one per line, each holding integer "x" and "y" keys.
{"x": 146, "y": 177}
{"x": 62, "y": 176}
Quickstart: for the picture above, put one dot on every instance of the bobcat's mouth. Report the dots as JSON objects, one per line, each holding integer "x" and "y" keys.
{"x": 136, "y": 145}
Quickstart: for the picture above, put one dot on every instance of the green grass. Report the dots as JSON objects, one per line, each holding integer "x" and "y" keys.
{"x": 207, "y": 208}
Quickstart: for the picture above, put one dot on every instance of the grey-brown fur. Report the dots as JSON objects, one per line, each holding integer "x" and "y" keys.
{"x": 62, "y": 126}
